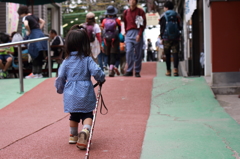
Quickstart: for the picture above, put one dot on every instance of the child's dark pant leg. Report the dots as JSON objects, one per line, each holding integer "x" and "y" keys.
{"x": 80, "y": 116}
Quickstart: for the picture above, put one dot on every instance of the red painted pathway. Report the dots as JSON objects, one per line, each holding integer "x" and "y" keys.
{"x": 34, "y": 126}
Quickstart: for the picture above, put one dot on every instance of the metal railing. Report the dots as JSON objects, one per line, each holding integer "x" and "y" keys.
{"x": 20, "y": 64}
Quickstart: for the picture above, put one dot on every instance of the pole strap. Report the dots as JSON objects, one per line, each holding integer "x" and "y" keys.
{"x": 102, "y": 104}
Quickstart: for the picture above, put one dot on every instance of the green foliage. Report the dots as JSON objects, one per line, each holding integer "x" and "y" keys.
{"x": 74, "y": 12}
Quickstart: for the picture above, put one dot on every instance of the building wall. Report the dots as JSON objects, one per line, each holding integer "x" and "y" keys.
{"x": 207, "y": 40}
{"x": 56, "y": 19}
{"x": 41, "y": 12}
{"x": 225, "y": 30}
{"x": 3, "y": 17}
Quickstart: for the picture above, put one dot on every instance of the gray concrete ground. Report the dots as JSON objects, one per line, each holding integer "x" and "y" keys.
{"x": 231, "y": 104}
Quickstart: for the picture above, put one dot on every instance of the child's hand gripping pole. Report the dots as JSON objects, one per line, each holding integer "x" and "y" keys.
{"x": 99, "y": 95}
{"x": 99, "y": 83}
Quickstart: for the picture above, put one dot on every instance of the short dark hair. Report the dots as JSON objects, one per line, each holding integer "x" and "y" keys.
{"x": 135, "y": 0}
{"x": 77, "y": 40}
{"x": 23, "y": 10}
{"x": 4, "y": 38}
{"x": 169, "y": 5}
{"x": 52, "y": 31}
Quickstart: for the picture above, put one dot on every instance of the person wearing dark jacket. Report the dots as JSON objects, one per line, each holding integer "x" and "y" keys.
{"x": 149, "y": 50}
{"x": 55, "y": 40}
{"x": 171, "y": 43}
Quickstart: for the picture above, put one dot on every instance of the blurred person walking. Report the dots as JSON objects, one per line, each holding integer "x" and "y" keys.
{"x": 149, "y": 50}
{"x": 111, "y": 28}
{"x": 170, "y": 22}
{"x": 135, "y": 23}
{"x": 102, "y": 57}
{"x": 94, "y": 34}
{"x": 121, "y": 57}
{"x": 159, "y": 48}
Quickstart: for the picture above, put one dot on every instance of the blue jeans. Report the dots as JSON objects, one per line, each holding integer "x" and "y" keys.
{"x": 35, "y": 48}
{"x": 102, "y": 60}
{"x": 133, "y": 51}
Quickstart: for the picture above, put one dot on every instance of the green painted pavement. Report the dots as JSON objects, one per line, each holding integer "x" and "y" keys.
{"x": 10, "y": 88}
{"x": 187, "y": 122}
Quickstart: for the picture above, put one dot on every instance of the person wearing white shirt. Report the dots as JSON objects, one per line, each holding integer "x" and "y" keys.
{"x": 159, "y": 48}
